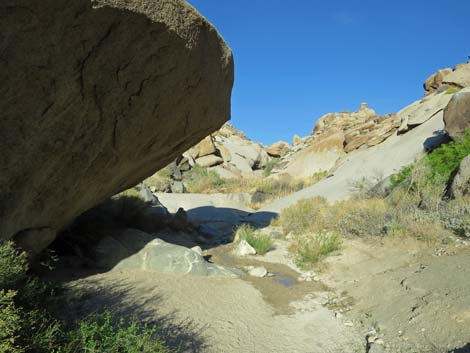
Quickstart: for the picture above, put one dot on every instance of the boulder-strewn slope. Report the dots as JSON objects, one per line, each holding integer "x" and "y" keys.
{"x": 378, "y": 146}
{"x": 94, "y": 97}
{"x": 443, "y": 79}
{"x": 334, "y": 135}
{"x": 227, "y": 152}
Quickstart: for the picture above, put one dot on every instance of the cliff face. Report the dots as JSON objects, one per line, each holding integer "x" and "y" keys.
{"x": 95, "y": 97}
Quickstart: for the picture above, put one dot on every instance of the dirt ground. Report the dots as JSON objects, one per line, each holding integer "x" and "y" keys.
{"x": 394, "y": 296}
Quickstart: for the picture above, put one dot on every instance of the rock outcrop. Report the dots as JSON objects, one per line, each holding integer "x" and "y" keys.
{"x": 228, "y": 152}
{"x": 363, "y": 127}
{"x": 435, "y": 80}
{"x": 457, "y": 114}
{"x": 278, "y": 149}
{"x": 334, "y": 135}
{"x": 458, "y": 77}
{"x": 96, "y": 96}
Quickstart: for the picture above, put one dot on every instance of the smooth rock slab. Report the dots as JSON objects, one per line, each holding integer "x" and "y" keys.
{"x": 134, "y": 250}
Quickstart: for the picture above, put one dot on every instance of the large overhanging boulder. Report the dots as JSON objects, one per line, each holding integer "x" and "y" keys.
{"x": 95, "y": 96}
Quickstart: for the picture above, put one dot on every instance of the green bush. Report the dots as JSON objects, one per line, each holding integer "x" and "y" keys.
{"x": 446, "y": 159}
{"x": 441, "y": 163}
{"x": 13, "y": 266}
{"x": 28, "y": 323}
{"x": 310, "y": 249}
{"x": 262, "y": 243}
{"x": 103, "y": 333}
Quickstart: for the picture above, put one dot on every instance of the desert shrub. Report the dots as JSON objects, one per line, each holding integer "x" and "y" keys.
{"x": 355, "y": 217}
{"x": 360, "y": 217}
{"x": 270, "y": 165}
{"x": 10, "y": 322}
{"x": 455, "y": 216}
{"x": 262, "y": 243}
{"x": 310, "y": 249}
{"x": 29, "y": 324}
{"x": 103, "y": 333}
{"x": 203, "y": 180}
{"x": 403, "y": 175}
{"x": 303, "y": 217}
{"x": 436, "y": 167}
{"x": 162, "y": 179}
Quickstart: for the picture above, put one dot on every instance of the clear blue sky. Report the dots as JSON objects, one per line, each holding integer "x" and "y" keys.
{"x": 296, "y": 60}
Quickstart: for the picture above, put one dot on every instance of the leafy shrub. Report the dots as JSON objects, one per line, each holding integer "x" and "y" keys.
{"x": 310, "y": 249}
{"x": 262, "y": 243}
{"x": 103, "y": 333}
{"x": 403, "y": 175}
{"x": 13, "y": 266}
{"x": 438, "y": 165}
{"x": 28, "y": 323}
{"x": 10, "y": 322}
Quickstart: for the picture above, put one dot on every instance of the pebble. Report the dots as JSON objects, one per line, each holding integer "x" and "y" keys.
{"x": 258, "y": 272}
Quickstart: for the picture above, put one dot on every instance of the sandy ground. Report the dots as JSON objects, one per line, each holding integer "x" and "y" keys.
{"x": 404, "y": 295}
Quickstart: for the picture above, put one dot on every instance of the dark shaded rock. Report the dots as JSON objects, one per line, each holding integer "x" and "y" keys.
{"x": 95, "y": 96}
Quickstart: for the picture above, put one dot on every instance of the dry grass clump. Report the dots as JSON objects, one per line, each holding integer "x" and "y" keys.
{"x": 262, "y": 243}
{"x": 204, "y": 181}
{"x": 310, "y": 249}
{"x": 355, "y": 217}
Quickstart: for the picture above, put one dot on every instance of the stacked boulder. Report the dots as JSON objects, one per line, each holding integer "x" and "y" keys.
{"x": 228, "y": 152}
{"x": 443, "y": 79}
{"x": 361, "y": 128}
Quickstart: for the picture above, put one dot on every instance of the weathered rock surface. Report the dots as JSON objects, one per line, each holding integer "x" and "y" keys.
{"x": 278, "y": 149}
{"x": 386, "y": 158}
{"x": 445, "y": 78}
{"x": 460, "y": 77}
{"x": 334, "y": 135}
{"x": 228, "y": 152}
{"x": 460, "y": 185}
{"x": 435, "y": 80}
{"x": 132, "y": 249}
{"x": 363, "y": 127}
{"x": 422, "y": 110}
{"x": 457, "y": 114}
{"x": 97, "y": 95}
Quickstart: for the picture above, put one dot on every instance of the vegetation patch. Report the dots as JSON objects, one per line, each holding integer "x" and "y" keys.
{"x": 415, "y": 207}
{"x": 29, "y": 321}
{"x": 453, "y": 89}
{"x": 262, "y": 243}
{"x": 310, "y": 249}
